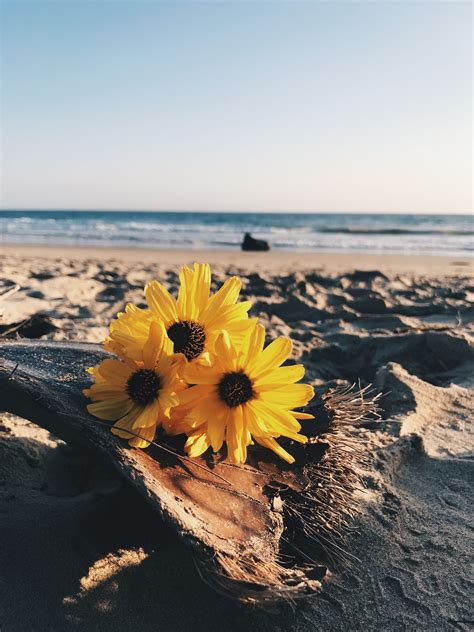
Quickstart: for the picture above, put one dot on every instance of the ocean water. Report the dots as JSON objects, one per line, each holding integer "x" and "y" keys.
{"x": 411, "y": 234}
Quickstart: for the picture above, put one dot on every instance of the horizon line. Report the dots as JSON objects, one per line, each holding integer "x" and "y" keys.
{"x": 253, "y": 212}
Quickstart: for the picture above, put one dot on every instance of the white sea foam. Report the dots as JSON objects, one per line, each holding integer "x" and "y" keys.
{"x": 343, "y": 233}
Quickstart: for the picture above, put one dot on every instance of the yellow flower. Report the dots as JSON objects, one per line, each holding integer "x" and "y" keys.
{"x": 193, "y": 321}
{"x": 138, "y": 394}
{"x": 129, "y": 332}
{"x": 245, "y": 393}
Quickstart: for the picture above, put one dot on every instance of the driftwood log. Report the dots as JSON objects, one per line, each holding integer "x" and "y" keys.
{"x": 260, "y": 532}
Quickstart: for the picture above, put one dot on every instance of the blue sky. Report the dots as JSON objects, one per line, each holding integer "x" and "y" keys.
{"x": 273, "y": 106}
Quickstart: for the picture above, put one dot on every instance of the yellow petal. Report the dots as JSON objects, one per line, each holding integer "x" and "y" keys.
{"x": 251, "y": 342}
{"x": 126, "y": 423}
{"x": 197, "y": 374}
{"x": 154, "y": 345}
{"x": 271, "y": 357}
{"x": 190, "y": 395}
{"x": 241, "y": 329}
{"x": 229, "y": 292}
{"x": 298, "y": 415}
{"x": 129, "y": 332}
{"x": 290, "y": 396}
{"x": 269, "y": 442}
{"x": 175, "y": 426}
{"x": 184, "y": 304}
{"x": 147, "y": 435}
{"x": 255, "y": 422}
{"x": 194, "y": 291}
{"x": 204, "y": 409}
{"x": 282, "y": 375}
{"x": 204, "y": 359}
{"x": 236, "y": 435}
{"x": 216, "y": 427}
{"x": 225, "y": 315}
{"x": 238, "y": 331}
{"x": 114, "y": 371}
{"x": 226, "y": 295}
{"x": 110, "y": 409}
{"x": 202, "y": 286}
{"x": 277, "y": 420}
{"x": 148, "y": 416}
{"x": 161, "y": 302}
{"x": 226, "y": 352}
{"x": 103, "y": 390}
{"x": 197, "y": 444}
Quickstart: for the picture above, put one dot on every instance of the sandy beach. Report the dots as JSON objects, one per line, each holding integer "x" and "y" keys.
{"x": 81, "y": 551}
{"x": 253, "y": 261}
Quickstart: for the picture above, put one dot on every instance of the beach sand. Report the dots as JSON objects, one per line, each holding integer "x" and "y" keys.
{"x": 81, "y": 551}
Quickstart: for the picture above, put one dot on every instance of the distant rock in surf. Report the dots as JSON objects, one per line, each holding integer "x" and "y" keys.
{"x": 249, "y": 243}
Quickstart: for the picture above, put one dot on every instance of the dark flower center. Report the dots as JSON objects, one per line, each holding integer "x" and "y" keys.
{"x": 188, "y": 338}
{"x": 143, "y": 386}
{"x": 235, "y": 388}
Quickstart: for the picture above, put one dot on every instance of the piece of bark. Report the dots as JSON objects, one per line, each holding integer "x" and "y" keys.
{"x": 239, "y": 520}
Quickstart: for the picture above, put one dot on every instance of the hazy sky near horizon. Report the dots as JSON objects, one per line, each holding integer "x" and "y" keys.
{"x": 272, "y": 106}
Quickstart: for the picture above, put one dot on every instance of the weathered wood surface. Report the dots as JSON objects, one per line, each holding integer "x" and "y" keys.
{"x": 234, "y": 527}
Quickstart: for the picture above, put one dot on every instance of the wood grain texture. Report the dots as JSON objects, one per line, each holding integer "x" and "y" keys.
{"x": 234, "y": 525}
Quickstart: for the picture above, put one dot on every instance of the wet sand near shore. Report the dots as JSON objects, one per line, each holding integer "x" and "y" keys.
{"x": 257, "y": 261}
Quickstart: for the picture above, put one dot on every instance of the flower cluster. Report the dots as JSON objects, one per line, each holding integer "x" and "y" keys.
{"x": 198, "y": 365}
